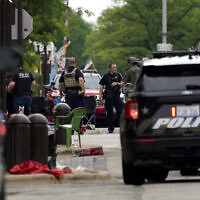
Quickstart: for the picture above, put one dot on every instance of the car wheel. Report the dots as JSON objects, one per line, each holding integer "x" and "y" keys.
{"x": 189, "y": 172}
{"x": 157, "y": 174}
{"x": 133, "y": 175}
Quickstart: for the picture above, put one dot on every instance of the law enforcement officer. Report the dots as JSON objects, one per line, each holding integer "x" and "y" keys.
{"x": 111, "y": 82}
{"x": 132, "y": 73}
{"x": 10, "y": 98}
{"x": 21, "y": 84}
{"x": 72, "y": 80}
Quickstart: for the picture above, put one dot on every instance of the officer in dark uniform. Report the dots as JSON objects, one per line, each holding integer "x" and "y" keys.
{"x": 10, "y": 98}
{"x": 72, "y": 80}
{"x": 21, "y": 84}
{"x": 110, "y": 88}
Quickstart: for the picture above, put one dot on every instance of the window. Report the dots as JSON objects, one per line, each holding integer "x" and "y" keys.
{"x": 169, "y": 78}
{"x": 91, "y": 81}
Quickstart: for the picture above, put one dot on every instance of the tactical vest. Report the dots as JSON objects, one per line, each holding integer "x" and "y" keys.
{"x": 132, "y": 74}
{"x": 70, "y": 79}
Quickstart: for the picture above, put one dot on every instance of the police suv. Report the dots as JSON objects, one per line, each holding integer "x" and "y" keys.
{"x": 160, "y": 127}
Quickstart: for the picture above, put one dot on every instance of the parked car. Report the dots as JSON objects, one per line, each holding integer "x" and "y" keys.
{"x": 160, "y": 127}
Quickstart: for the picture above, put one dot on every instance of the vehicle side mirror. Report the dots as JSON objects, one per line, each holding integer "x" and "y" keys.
{"x": 128, "y": 88}
{"x": 47, "y": 87}
{"x": 52, "y": 83}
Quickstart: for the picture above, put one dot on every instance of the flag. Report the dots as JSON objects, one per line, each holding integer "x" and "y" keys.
{"x": 36, "y": 69}
{"x": 62, "y": 50}
{"x": 88, "y": 65}
{"x": 60, "y": 55}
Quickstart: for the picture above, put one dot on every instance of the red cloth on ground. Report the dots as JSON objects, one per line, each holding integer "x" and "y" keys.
{"x": 32, "y": 167}
{"x": 91, "y": 152}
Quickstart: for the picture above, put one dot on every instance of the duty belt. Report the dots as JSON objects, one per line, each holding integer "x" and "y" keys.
{"x": 72, "y": 90}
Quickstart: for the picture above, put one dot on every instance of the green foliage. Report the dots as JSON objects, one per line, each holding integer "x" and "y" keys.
{"x": 133, "y": 30}
{"x": 49, "y": 19}
{"x": 48, "y": 24}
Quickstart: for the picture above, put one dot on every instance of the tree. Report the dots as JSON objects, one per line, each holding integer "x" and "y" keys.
{"x": 133, "y": 30}
{"x": 49, "y": 19}
{"x": 48, "y": 24}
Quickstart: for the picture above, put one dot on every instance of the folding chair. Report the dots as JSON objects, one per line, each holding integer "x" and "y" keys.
{"x": 90, "y": 118}
{"x": 77, "y": 115}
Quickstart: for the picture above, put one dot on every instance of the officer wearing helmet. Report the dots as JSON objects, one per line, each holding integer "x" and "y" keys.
{"x": 132, "y": 73}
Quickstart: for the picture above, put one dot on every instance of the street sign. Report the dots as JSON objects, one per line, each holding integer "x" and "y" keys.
{"x": 27, "y": 25}
{"x": 164, "y": 47}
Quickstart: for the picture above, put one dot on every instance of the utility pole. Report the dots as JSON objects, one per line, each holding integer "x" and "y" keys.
{"x": 164, "y": 46}
{"x": 20, "y": 22}
{"x": 44, "y": 66}
{"x": 3, "y": 43}
{"x": 164, "y": 22}
{"x": 7, "y": 18}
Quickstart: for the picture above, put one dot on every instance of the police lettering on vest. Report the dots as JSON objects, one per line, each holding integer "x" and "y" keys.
{"x": 23, "y": 80}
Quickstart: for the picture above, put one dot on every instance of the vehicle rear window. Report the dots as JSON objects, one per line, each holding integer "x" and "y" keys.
{"x": 91, "y": 82}
{"x": 169, "y": 78}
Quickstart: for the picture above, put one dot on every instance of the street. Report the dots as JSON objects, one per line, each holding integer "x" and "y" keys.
{"x": 176, "y": 187}
{"x": 67, "y": 66}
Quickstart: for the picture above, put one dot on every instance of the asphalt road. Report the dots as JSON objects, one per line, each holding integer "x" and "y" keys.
{"x": 175, "y": 188}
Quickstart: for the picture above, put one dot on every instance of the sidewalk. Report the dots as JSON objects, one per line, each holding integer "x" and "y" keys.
{"x": 85, "y": 168}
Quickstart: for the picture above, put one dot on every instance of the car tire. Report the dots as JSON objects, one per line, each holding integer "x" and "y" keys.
{"x": 132, "y": 175}
{"x": 189, "y": 172}
{"x": 157, "y": 174}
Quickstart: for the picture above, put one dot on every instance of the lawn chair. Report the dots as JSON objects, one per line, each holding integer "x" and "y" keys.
{"x": 90, "y": 118}
{"x": 77, "y": 115}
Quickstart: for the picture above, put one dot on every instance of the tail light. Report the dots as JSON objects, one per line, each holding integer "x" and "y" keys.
{"x": 3, "y": 130}
{"x": 131, "y": 109}
{"x": 173, "y": 111}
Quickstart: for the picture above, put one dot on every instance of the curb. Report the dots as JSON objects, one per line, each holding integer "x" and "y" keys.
{"x": 61, "y": 149}
{"x": 77, "y": 177}
{"x": 88, "y": 132}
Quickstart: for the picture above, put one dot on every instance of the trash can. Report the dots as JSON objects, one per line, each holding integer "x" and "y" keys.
{"x": 18, "y": 139}
{"x": 62, "y": 109}
{"x": 39, "y": 138}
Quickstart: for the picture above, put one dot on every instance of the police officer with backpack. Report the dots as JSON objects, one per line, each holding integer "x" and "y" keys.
{"x": 72, "y": 82}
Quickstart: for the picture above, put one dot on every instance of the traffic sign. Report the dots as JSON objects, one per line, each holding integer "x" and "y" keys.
{"x": 164, "y": 47}
{"x": 27, "y": 27}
